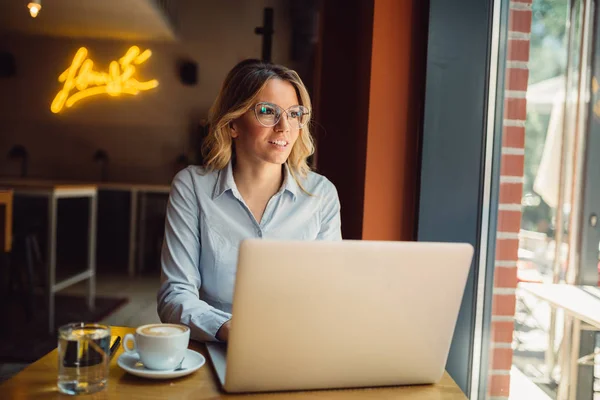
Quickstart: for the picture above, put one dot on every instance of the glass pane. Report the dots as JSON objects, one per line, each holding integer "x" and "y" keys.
{"x": 543, "y": 125}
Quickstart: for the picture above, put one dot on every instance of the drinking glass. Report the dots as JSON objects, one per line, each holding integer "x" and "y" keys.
{"x": 83, "y": 357}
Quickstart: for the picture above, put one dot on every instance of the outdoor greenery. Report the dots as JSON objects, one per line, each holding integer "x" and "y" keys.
{"x": 547, "y": 57}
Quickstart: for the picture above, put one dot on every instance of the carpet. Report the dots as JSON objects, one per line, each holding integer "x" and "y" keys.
{"x": 27, "y": 341}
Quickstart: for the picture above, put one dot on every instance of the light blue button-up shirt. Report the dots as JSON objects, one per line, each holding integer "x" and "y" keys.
{"x": 207, "y": 219}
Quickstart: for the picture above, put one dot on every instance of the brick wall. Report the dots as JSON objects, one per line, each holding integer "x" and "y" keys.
{"x": 511, "y": 190}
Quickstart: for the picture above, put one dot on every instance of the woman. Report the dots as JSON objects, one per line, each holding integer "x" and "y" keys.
{"x": 255, "y": 183}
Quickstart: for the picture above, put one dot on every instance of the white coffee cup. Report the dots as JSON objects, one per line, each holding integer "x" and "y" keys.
{"x": 160, "y": 346}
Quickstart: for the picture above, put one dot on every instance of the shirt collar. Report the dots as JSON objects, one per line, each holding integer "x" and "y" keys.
{"x": 289, "y": 183}
{"x": 226, "y": 182}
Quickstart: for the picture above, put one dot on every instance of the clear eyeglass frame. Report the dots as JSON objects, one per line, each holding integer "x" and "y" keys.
{"x": 297, "y": 116}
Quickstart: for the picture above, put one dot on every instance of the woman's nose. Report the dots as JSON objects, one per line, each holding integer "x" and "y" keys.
{"x": 283, "y": 125}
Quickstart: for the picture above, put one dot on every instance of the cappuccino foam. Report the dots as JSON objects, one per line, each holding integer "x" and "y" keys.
{"x": 162, "y": 330}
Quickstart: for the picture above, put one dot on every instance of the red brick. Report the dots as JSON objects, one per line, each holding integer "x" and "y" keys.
{"x": 513, "y": 136}
{"x": 505, "y": 278}
{"x": 520, "y": 21}
{"x": 502, "y": 359}
{"x": 504, "y": 305}
{"x": 517, "y": 79}
{"x": 518, "y": 50}
{"x": 507, "y": 249}
{"x": 512, "y": 165}
{"x": 499, "y": 385}
{"x": 511, "y": 193}
{"x": 502, "y": 331}
{"x": 509, "y": 221}
{"x": 515, "y": 108}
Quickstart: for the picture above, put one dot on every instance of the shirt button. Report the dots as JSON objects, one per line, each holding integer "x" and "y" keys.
{"x": 259, "y": 233}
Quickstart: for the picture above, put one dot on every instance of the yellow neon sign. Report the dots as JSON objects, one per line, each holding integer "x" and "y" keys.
{"x": 83, "y": 81}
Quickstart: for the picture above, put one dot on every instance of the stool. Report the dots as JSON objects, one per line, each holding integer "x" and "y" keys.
{"x": 22, "y": 262}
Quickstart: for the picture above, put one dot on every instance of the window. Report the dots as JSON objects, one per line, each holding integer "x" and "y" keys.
{"x": 545, "y": 212}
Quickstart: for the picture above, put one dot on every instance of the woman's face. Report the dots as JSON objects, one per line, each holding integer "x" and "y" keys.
{"x": 258, "y": 144}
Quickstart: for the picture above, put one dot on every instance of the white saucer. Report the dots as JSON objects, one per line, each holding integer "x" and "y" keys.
{"x": 131, "y": 363}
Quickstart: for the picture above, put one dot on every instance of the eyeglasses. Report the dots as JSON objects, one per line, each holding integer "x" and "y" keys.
{"x": 269, "y": 114}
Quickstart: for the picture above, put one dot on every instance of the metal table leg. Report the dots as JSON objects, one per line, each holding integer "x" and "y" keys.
{"x": 550, "y": 356}
{"x": 565, "y": 357}
{"x": 573, "y": 357}
{"x": 133, "y": 217}
{"x": 52, "y": 205}
{"x": 93, "y": 216}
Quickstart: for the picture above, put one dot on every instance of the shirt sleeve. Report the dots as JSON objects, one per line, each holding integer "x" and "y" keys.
{"x": 178, "y": 297}
{"x": 331, "y": 223}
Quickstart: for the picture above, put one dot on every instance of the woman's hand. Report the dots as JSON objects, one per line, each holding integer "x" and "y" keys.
{"x": 223, "y": 332}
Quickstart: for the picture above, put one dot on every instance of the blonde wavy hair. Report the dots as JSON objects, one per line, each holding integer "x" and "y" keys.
{"x": 238, "y": 95}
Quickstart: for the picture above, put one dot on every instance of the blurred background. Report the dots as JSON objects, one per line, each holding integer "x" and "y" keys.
{"x": 88, "y": 165}
{"x": 445, "y": 120}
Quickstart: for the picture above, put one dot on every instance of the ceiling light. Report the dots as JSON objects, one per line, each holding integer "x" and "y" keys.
{"x": 34, "y": 7}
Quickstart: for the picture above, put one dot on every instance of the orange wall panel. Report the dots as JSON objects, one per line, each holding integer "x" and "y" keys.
{"x": 390, "y": 177}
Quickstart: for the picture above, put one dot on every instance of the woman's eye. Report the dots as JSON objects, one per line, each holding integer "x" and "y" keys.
{"x": 265, "y": 110}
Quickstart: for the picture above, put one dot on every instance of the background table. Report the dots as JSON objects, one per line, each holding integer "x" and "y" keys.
{"x": 138, "y": 202}
{"x": 39, "y": 381}
{"x": 53, "y": 192}
{"x": 137, "y": 193}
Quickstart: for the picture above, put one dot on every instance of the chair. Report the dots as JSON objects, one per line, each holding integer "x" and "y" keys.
{"x": 22, "y": 260}
{"x": 22, "y": 280}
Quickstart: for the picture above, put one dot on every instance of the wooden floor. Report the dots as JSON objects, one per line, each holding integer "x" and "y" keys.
{"x": 140, "y": 309}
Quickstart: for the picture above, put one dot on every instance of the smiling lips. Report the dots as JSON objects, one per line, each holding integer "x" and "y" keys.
{"x": 279, "y": 143}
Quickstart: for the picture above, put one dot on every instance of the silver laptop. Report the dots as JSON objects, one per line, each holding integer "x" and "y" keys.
{"x": 324, "y": 315}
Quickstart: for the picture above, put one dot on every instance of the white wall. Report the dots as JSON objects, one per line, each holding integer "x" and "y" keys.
{"x": 142, "y": 134}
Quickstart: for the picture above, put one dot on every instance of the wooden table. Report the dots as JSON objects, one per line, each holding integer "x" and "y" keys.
{"x": 582, "y": 304}
{"x": 39, "y": 381}
{"x": 53, "y": 192}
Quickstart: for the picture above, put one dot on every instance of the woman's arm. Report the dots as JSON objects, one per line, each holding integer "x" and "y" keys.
{"x": 331, "y": 224}
{"x": 178, "y": 297}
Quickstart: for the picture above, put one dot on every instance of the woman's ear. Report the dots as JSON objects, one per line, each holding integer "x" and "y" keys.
{"x": 233, "y": 129}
